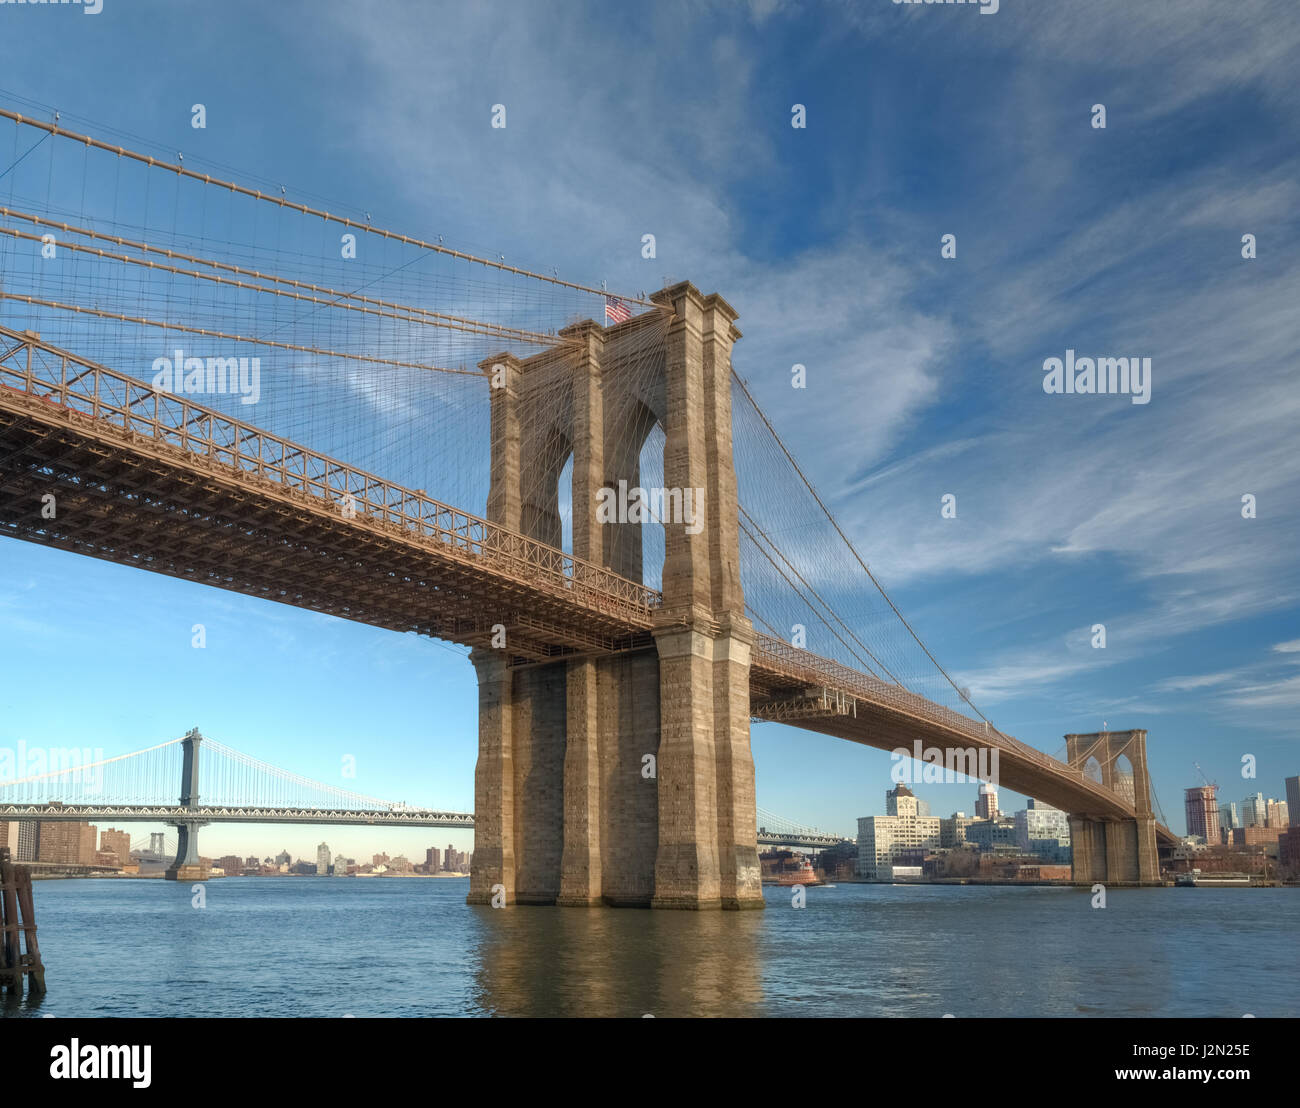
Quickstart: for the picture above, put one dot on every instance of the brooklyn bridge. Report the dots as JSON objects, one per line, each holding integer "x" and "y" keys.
{"x": 434, "y": 430}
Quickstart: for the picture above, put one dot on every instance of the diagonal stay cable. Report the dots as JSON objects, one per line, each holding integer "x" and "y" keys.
{"x": 853, "y": 550}
{"x": 22, "y": 157}
{"x": 815, "y": 593}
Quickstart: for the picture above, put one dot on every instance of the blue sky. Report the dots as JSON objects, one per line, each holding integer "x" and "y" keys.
{"x": 925, "y": 374}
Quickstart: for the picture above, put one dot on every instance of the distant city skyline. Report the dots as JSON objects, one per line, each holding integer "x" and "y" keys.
{"x": 265, "y": 841}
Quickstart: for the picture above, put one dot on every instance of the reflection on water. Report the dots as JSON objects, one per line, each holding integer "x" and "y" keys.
{"x": 618, "y": 962}
{"x": 325, "y": 947}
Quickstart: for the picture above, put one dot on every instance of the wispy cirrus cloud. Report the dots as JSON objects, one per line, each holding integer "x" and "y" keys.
{"x": 1200, "y": 681}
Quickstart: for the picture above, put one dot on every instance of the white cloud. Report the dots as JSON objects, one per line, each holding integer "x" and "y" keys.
{"x": 1186, "y": 684}
{"x": 595, "y": 155}
{"x": 1283, "y": 693}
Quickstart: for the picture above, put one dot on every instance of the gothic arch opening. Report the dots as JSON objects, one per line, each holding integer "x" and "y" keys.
{"x": 1122, "y": 778}
{"x": 540, "y": 488}
{"x": 634, "y": 455}
{"x": 652, "y": 528}
{"x": 565, "y": 498}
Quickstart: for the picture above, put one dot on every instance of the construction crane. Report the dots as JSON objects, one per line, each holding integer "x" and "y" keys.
{"x": 1208, "y": 782}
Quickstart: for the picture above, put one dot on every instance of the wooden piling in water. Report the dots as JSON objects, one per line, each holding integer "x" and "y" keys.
{"x": 19, "y": 952}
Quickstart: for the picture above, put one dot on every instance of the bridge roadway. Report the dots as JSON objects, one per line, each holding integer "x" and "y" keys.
{"x": 172, "y": 813}
{"x": 797, "y": 840}
{"x": 394, "y": 817}
{"x": 156, "y": 481}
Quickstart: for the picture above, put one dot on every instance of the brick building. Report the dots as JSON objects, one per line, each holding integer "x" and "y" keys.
{"x": 117, "y": 843}
{"x": 68, "y": 844}
{"x": 1255, "y": 836}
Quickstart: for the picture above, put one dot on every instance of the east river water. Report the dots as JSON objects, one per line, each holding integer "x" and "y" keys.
{"x": 308, "y": 946}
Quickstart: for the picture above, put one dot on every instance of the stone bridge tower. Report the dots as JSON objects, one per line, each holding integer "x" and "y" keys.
{"x": 569, "y": 807}
{"x": 1106, "y": 850}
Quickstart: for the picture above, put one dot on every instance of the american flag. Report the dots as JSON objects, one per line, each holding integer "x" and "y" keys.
{"x": 616, "y": 310}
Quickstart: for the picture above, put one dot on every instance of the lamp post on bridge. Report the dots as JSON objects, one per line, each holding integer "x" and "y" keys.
{"x": 188, "y": 866}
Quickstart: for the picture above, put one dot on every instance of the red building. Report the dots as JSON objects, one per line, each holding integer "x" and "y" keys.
{"x": 1255, "y": 836}
{"x": 1202, "y": 808}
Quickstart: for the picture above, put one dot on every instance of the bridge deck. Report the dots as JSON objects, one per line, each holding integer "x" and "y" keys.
{"x": 171, "y": 813}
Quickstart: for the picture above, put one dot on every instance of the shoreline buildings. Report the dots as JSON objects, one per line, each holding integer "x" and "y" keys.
{"x": 881, "y": 839}
{"x": 907, "y": 844}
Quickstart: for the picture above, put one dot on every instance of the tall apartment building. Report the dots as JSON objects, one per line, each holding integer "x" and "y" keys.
{"x": 29, "y": 840}
{"x": 1293, "y": 794}
{"x": 1254, "y": 812}
{"x": 882, "y": 838}
{"x": 116, "y": 842}
{"x": 22, "y": 837}
{"x": 1276, "y": 813}
{"x": 986, "y": 803}
{"x": 432, "y": 859}
{"x": 323, "y": 860}
{"x": 1228, "y": 817}
{"x": 67, "y": 844}
{"x": 1288, "y": 852}
{"x": 1202, "y": 809}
